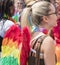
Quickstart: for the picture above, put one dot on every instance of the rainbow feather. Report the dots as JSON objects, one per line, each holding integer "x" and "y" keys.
{"x": 11, "y": 46}
{"x": 25, "y": 46}
{"x": 15, "y": 46}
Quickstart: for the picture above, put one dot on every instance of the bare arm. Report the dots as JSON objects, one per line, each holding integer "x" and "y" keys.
{"x": 49, "y": 51}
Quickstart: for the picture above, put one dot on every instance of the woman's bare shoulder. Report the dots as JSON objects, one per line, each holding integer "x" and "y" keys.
{"x": 48, "y": 43}
{"x": 48, "y": 40}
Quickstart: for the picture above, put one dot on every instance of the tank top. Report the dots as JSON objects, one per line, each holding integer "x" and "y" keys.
{"x": 35, "y": 56}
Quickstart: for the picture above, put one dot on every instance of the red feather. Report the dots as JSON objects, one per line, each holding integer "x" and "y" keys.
{"x": 14, "y": 33}
{"x": 25, "y": 46}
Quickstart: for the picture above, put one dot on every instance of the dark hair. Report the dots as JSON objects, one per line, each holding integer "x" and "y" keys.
{"x": 1, "y": 9}
{"x": 6, "y": 7}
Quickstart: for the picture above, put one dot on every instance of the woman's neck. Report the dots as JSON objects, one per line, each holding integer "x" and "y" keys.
{"x": 45, "y": 26}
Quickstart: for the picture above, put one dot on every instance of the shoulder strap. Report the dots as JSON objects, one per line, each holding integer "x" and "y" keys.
{"x": 39, "y": 49}
{"x": 36, "y": 38}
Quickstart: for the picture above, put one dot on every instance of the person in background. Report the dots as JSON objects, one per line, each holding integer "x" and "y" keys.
{"x": 18, "y": 10}
{"x": 10, "y": 47}
{"x": 6, "y": 22}
{"x": 18, "y": 5}
{"x": 43, "y": 15}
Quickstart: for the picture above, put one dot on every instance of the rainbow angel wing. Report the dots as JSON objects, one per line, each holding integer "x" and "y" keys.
{"x": 15, "y": 46}
{"x": 11, "y": 46}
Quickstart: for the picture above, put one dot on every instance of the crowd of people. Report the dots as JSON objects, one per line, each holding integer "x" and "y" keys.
{"x": 30, "y": 32}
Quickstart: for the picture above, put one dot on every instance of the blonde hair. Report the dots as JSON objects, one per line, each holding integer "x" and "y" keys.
{"x": 35, "y": 12}
{"x": 29, "y": 2}
{"x": 39, "y": 10}
{"x": 24, "y": 17}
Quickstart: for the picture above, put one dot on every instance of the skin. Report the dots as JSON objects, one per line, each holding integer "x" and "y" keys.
{"x": 52, "y": 18}
{"x": 12, "y": 9}
{"x": 18, "y": 5}
{"x": 48, "y": 45}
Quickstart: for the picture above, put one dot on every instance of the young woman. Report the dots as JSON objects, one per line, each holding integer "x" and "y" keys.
{"x": 11, "y": 34}
{"x": 43, "y": 17}
{"x": 7, "y": 11}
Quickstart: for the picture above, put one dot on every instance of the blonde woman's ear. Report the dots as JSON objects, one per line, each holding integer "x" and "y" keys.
{"x": 45, "y": 19}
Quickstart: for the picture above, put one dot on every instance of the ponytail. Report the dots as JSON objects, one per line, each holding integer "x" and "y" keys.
{"x": 24, "y": 17}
